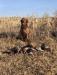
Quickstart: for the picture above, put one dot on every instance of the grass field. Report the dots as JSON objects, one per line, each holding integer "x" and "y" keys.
{"x": 40, "y": 62}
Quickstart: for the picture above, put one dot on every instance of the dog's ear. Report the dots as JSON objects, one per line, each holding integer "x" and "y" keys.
{"x": 22, "y": 20}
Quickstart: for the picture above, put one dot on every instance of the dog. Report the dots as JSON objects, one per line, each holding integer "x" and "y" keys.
{"x": 25, "y": 31}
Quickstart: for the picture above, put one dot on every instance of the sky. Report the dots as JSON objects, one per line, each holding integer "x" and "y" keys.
{"x": 27, "y": 7}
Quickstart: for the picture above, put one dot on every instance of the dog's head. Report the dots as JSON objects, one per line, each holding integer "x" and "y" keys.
{"x": 24, "y": 21}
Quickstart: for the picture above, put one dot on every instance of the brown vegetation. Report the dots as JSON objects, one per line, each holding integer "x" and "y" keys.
{"x": 41, "y": 62}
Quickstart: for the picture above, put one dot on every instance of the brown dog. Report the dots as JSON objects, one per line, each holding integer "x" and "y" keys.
{"x": 25, "y": 31}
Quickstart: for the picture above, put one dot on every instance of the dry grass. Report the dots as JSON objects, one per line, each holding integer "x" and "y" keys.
{"x": 40, "y": 63}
